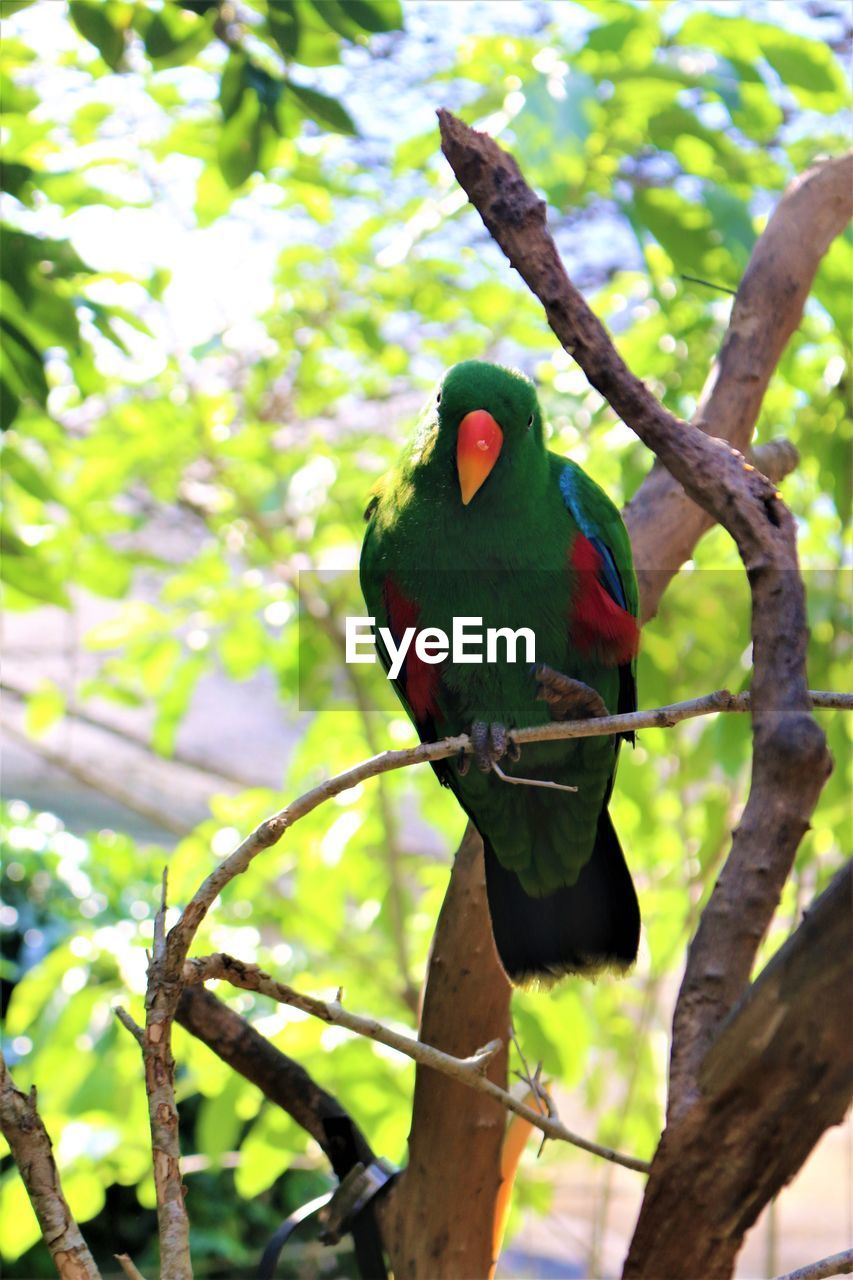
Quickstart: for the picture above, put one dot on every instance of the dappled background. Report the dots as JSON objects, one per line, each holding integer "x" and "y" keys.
{"x": 234, "y": 264}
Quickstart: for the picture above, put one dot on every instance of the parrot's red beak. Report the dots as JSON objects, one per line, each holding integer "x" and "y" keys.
{"x": 478, "y": 445}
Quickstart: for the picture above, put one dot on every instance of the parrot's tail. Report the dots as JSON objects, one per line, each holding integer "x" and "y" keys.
{"x": 583, "y": 928}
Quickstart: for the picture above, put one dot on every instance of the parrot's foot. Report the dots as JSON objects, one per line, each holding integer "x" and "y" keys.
{"x": 567, "y": 699}
{"x": 491, "y": 742}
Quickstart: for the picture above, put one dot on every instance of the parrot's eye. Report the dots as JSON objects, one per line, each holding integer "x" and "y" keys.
{"x": 530, "y": 422}
{"x": 438, "y": 398}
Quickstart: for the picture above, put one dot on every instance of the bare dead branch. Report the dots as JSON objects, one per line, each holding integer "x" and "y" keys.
{"x": 273, "y": 828}
{"x": 128, "y": 1266}
{"x": 470, "y": 1070}
{"x": 80, "y": 715}
{"x": 32, "y": 1152}
{"x": 839, "y": 1264}
{"x": 663, "y": 522}
{"x": 784, "y": 1051}
{"x": 279, "y": 1078}
{"x": 130, "y": 1025}
{"x": 98, "y": 781}
{"x": 161, "y": 997}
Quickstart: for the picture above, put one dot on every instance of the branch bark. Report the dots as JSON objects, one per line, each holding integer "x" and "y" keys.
{"x": 838, "y": 1264}
{"x": 790, "y": 760}
{"x": 33, "y": 1154}
{"x": 466, "y": 1003}
{"x": 471, "y": 1070}
{"x": 279, "y": 1078}
{"x": 779, "y": 1072}
{"x": 663, "y": 522}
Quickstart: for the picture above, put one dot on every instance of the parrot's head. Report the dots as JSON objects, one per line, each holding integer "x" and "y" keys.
{"x": 490, "y": 423}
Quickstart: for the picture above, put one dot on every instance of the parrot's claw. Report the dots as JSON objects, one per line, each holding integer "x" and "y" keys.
{"x": 491, "y": 743}
{"x": 513, "y": 751}
{"x": 463, "y": 761}
{"x": 568, "y": 699}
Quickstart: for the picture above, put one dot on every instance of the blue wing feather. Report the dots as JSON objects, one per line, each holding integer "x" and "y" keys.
{"x": 570, "y": 489}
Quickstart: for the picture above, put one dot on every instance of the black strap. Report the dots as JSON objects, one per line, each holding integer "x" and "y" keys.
{"x": 270, "y": 1255}
{"x": 348, "y": 1208}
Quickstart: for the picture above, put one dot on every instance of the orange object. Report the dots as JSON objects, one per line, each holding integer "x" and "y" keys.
{"x": 478, "y": 445}
{"x": 517, "y": 1132}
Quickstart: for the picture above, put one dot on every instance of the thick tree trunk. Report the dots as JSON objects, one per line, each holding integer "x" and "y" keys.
{"x": 443, "y": 1209}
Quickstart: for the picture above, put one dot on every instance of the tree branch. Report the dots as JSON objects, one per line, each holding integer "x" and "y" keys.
{"x": 98, "y": 781}
{"x": 273, "y": 828}
{"x": 32, "y": 1152}
{"x": 785, "y": 1050}
{"x": 161, "y": 997}
{"x": 470, "y": 1071}
{"x": 279, "y": 1078}
{"x": 839, "y": 1264}
{"x": 663, "y": 522}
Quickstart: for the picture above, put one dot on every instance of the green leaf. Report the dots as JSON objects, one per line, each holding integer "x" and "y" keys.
{"x": 20, "y": 1225}
{"x": 18, "y": 467}
{"x": 326, "y": 111}
{"x": 92, "y": 20}
{"x": 44, "y": 707}
{"x": 33, "y": 577}
{"x": 683, "y": 229}
{"x": 135, "y": 619}
{"x": 809, "y": 68}
{"x": 16, "y": 99}
{"x": 9, "y": 404}
{"x": 376, "y": 15}
{"x": 232, "y": 84}
{"x": 14, "y": 178}
{"x": 173, "y": 37}
{"x": 24, "y": 369}
{"x": 319, "y": 45}
{"x": 284, "y": 25}
{"x": 173, "y": 702}
{"x": 337, "y": 16}
{"x": 240, "y": 142}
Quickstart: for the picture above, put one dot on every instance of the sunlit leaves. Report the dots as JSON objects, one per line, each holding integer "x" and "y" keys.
{"x": 102, "y": 23}
{"x": 173, "y": 36}
{"x": 806, "y": 67}
{"x": 326, "y": 111}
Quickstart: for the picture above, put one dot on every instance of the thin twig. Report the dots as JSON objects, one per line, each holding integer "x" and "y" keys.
{"x": 97, "y": 779}
{"x": 130, "y": 1025}
{"x": 79, "y": 715}
{"x": 128, "y": 1266}
{"x": 838, "y": 1264}
{"x": 159, "y": 943}
{"x": 470, "y": 1071}
{"x": 273, "y": 828}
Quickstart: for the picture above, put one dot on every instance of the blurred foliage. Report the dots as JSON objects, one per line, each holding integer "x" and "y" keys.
{"x": 661, "y": 135}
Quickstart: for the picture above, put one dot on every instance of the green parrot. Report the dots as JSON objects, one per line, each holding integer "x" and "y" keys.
{"x": 479, "y": 521}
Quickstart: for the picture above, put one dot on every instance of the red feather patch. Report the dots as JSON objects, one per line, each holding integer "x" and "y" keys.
{"x": 598, "y": 623}
{"x": 420, "y": 679}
